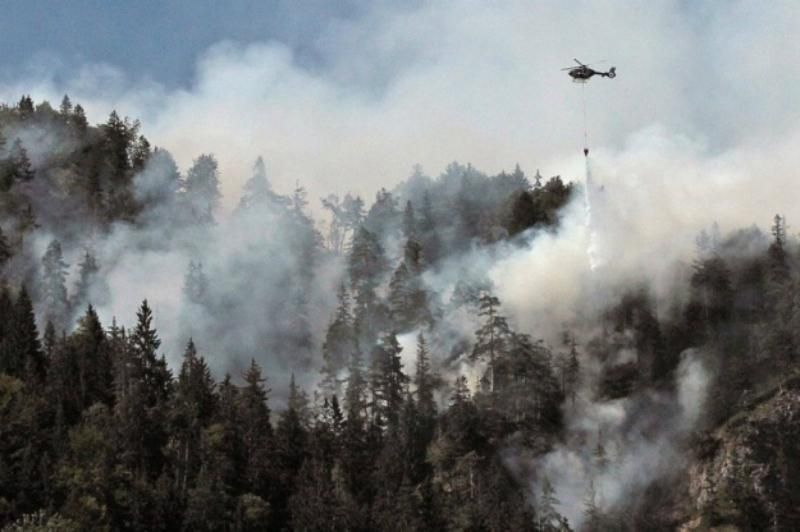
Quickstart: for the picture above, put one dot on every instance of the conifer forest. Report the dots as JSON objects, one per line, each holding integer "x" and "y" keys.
{"x": 244, "y": 288}
{"x": 370, "y": 379}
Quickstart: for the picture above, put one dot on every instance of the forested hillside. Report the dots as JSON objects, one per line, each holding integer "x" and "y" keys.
{"x": 341, "y": 363}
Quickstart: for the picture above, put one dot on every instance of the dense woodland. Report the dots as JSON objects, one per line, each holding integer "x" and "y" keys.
{"x": 99, "y": 432}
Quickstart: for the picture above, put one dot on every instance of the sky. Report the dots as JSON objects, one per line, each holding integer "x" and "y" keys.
{"x": 348, "y": 96}
{"x": 154, "y": 39}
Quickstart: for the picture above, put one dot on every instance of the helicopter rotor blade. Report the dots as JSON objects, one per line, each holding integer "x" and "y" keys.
{"x": 588, "y": 64}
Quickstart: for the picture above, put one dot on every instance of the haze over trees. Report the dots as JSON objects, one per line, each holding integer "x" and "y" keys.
{"x": 329, "y": 381}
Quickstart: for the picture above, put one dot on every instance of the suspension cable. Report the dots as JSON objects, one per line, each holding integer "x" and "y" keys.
{"x": 585, "y": 129}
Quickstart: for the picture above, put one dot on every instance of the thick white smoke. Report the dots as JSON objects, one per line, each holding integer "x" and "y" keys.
{"x": 700, "y": 125}
{"x": 470, "y": 81}
{"x": 641, "y": 436}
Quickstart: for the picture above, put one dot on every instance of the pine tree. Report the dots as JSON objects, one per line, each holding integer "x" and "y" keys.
{"x": 527, "y": 391}
{"x": 409, "y": 222}
{"x": 388, "y": 381}
{"x": 461, "y": 425}
{"x": 223, "y": 441}
{"x": 382, "y": 218}
{"x": 195, "y": 283}
{"x": 49, "y": 339}
{"x": 355, "y": 400}
{"x": 25, "y": 107}
{"x": 467, "y": 210}
{"x": 54, "y": 288}
{"x": 400, "y": 296}
{"x": 140, "y": 153}
{"x": 778, "y": 336}
{"x": 64, "y": 384}
{"x": 202, "y": 189}
{"x": 195, "y": 386}
{"x": 424, "y": 379}
{"x": 347, "y": 216}
{"x": 258, "y": 191}
{"x": 5, "y": 249}
{"x": 94, "y": 362}
{"x": 415, "y": 435}
{"x": 79, "y": 119}
{"x": 712, "y": 294}
{"x": 145, "y": 343}
{"x": 194, "y": 408}
{"x": 21, "y": 169}
{"x": 119, "y": 137}
{"x": 339, "y": 343}
{"x": 299, "y": 403}
{"x": 572, "y": 372}
{"x": 460, "y": 394}
{"x": 352, "y": 216}
{"x": 428, "y": 233}
{"x": 367, "y": 263}
{"x": 408, "y": 299}
{"x": 366, "y": 268}
{"x": 143, "y": 386}
{"x": 354, "y": 455}
{"x": 523, "y": 212}
{"x": 548, "y": 518}
{"x": 256, "y": 430}
{"x": 26, "y": 354}
{"x": 290, "y": 453}
{"x": 87, "y": 276}
{"x": 66, "y": 108}
{"x": 778, "y": 257}
{"x": 492, "y": 337}
{"x": 425, "y": 382}
{"x": 158, "y": 188}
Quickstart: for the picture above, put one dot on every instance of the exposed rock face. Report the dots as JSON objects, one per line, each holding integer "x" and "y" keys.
{"x": 747, "y": 472}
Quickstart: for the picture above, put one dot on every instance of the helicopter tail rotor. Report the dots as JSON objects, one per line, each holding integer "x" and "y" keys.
{"x": 612, "y": 72}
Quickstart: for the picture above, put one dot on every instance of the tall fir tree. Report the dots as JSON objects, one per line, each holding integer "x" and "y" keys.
{"x": 492, "y": 337}
{"x": 195, "y": 284}
{"x": 201, "y": 189}
{"x": 338, "y": 345}
{"x": 89, "y": 285}
{"x": 25, "y": 339}
{"x": 94, "y": 363}
{"x": 256, "y": 430}
{"x": 257, "y": 191}
{"x": 54, "y": 290}
{"x": 388, "y": 381}
{"x": 409, "y": 222}
{"x": 425, "y": 382}
{"x": 194, "y": 407}
{"x": 5, "y": 249}
{"x": 65, "y": 109}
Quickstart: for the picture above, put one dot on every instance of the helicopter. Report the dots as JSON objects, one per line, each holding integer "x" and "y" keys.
{"x": 582, "y": 73}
